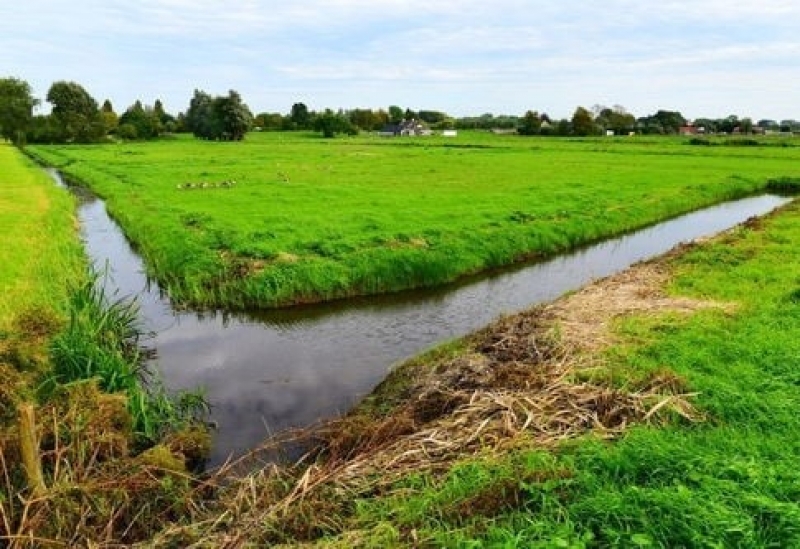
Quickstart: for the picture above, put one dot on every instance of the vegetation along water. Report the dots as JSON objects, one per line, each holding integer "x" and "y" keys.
{"x": 83, "y": 431}
{"x": 281, "y": 218}
{"x": 657, "y": 408}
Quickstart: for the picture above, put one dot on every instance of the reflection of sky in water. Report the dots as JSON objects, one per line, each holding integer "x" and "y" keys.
{"x": 272, "y": 370}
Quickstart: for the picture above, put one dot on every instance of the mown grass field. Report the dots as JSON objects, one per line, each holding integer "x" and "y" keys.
{"x": 289, "y": 218}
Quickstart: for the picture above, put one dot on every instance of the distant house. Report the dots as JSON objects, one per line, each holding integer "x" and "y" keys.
{"x": 406, "y": 127}
{"x": 689, "y": 129}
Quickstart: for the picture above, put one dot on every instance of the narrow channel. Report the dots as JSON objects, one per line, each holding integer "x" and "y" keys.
{"x": 267, "y": 371}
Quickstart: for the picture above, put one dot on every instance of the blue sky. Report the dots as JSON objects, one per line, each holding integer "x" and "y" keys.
{"x": 702, "y": 57}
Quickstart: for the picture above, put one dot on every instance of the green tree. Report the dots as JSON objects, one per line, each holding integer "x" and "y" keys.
{"x": 75, "y": 113}
{"x": 110, "y": 118}
{"x": 225, "y": 118}
{"x": 331, "y": 123}
{"x": 663, "y": 122}
{"x": 531, "y": 124}
{"x": 583, "y": 123}
{"x": 145, "y": 120}
{"x": 617, "y": 119}
{"x": 233, "y": 117}
{"x": 432, "y": 117}
{"x": 395, "y": 114}
{"x": 670, "y": 121}
{"x": 200, "y": 115}
{"x": 300, "y": 117}
{"x": 269, "y": 121}
{"x": 16, "y": 109}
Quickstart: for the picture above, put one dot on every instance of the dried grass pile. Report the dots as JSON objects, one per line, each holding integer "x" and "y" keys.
{"x": 518, "y": 382}
{"x": 93, "y": 490}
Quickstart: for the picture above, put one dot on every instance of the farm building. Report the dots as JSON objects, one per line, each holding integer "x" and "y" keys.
{"x": 406, "y": 127}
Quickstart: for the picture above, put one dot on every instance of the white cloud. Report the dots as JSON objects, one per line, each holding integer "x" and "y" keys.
{"x": 506, "y": 55}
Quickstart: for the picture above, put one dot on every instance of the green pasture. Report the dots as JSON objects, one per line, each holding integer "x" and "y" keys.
{"x": 285, "y": 218}
{"x": 729, "y": 480}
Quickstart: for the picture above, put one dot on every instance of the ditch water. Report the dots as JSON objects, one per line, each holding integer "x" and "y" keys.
{"x": 266, "y": 371}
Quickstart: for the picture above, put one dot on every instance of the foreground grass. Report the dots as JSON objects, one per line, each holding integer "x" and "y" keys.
{"x": 290, "y": 218}
{"x": 724, "y": 475}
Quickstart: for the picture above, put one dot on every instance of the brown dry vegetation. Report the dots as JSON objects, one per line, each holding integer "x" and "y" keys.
{"x": 95, "y": 492}
{"x": 517, "y": 382}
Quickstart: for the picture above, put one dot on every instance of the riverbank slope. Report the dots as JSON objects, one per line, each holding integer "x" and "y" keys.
{"x": 655, "y": 408}
{"x": 77, "y": 465}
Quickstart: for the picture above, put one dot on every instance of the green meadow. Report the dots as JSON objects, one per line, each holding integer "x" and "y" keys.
{"x": 724, "y": 475}
{"x": 39, "y": 249}
{"x": 728, "y": 480}
{"x": 287, "y": 218}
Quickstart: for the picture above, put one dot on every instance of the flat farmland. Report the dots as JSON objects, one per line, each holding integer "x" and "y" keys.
{"x": 288, "y": 218}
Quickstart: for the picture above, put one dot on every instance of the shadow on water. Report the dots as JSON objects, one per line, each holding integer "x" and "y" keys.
{"x": 267, "y": 371}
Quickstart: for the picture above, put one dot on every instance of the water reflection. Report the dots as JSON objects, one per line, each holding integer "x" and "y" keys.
{"x": 267, "y": 371}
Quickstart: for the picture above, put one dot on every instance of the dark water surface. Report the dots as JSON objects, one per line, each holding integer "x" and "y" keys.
{"x": 267, "y": 371}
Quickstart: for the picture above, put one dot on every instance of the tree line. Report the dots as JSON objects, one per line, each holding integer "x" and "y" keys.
{"x": 76, "y": 117}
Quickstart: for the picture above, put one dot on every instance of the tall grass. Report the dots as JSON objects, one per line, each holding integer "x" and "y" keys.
{"x": 102, "y": 340}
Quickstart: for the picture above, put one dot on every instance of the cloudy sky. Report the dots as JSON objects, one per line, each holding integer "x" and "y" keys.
{"x": 701, "y": 57}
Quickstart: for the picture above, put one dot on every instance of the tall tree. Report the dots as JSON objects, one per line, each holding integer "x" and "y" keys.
{"x": 75, "y": 113}
{"x": 300, "y": 117}
{"x": 583, "y": 123}
{"x": 531, "y": 124}
{"x": 199, "y": 116}
{"x": 395, "y": 114}
{"x": 16, "y": 109}
{"x": 233, "y": 116}
{"x": 226, "y": 117}
{"x": 110, "y": 118}
{"x": 140, "y": 122}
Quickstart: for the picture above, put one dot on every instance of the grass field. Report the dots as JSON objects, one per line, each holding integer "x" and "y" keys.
{"x": 290, "y": 218}
{"x": 722, "y": 473}
{"x": 39, "y": 250}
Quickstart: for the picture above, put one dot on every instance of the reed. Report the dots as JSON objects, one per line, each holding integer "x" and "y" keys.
{"x": 102, "y": 340}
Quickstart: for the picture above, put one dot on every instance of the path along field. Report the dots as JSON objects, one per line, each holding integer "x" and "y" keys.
{"x": 282, "y": 219}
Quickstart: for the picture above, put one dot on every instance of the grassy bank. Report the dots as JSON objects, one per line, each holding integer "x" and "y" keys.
{"x": 289, "y": 218}
{"x": 88, "y": 449}
{"x": 658, "y": 408}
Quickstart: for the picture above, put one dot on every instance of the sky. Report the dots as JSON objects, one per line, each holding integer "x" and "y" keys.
{"x": 704, "y": 58}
